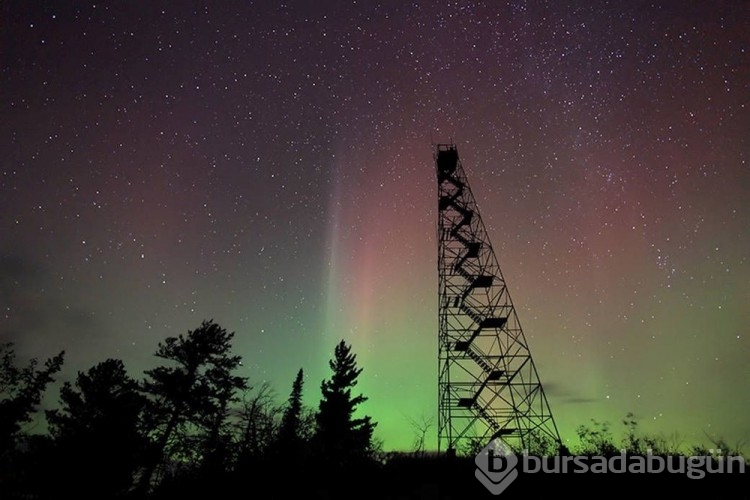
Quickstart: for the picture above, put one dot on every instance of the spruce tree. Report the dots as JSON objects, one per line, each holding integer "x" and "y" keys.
{"x": 291, "y": 421}
{"x": 340, "y": 437}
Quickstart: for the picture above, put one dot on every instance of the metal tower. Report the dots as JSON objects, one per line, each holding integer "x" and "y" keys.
{"x": 488, "y": 386}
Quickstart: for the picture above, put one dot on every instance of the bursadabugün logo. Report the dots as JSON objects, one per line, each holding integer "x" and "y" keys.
{"x": 497, "y": 467}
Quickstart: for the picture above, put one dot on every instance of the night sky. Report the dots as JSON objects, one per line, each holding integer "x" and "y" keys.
{"x": 269, "y": 165}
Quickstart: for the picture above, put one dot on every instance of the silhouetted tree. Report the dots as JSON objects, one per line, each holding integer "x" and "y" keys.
{"x": 21, "y": 391}
{"x": 340, "y": 436}
{"x": 289, "y": 431}
{"x": 421, "y": 427}
{"x": 257, "y": 425}
{"x": 218, "y": 442}
{"x": 191, "y": 396}
{"x": 296, "y": 429}
{"x": 96, "y": 430}
{"x": 596, "y": 440}
{"x": 540, "y": 443}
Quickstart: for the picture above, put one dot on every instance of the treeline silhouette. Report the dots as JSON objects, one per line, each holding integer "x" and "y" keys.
{"x": 191, "y": 424}
{"x": 193, "y": 428}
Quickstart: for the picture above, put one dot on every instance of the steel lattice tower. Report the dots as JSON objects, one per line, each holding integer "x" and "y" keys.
{"x": 488, "y": 386}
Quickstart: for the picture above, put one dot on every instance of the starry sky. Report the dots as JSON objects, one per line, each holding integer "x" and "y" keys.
{"x": 269, "y": 165}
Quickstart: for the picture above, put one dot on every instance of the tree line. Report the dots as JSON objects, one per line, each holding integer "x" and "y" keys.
{"x": 189, "y": 423}
{"x": 193, "y": 428}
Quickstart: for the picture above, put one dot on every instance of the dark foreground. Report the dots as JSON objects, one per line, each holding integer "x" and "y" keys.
{"x": 409, "y": 477}
{"x": 448, "y": 479}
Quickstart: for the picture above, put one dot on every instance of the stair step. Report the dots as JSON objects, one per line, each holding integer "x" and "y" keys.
{"x": 465, "y": 402}
{"x": 483, "y": 281}
{"x": 493, "y": 322}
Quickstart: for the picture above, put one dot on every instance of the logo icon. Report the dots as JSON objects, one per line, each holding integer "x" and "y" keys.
{"x": 496, "y": 467}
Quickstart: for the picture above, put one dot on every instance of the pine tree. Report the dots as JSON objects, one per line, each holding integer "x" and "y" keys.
{"x": 96, "y": 432}
{"x": 21, "y": 391}
{"x": 290, "y": 432}
{"x": 191, "y": 395}
{"x": 340, "y": 436}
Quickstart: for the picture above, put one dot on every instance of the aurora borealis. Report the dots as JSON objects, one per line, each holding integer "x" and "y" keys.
{"x": 269, "y": 165}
